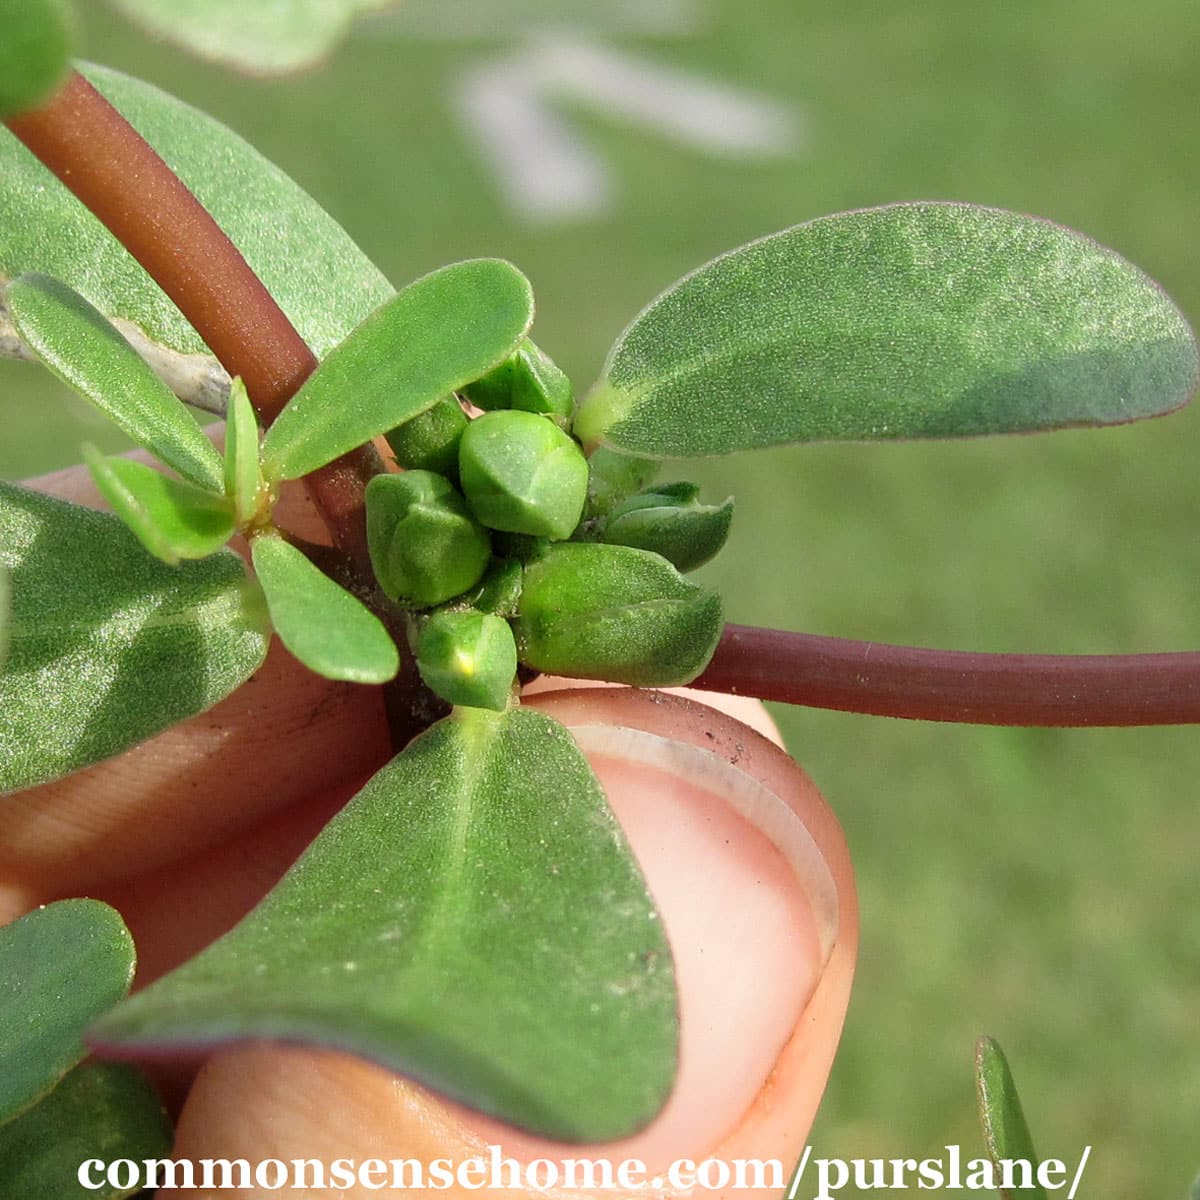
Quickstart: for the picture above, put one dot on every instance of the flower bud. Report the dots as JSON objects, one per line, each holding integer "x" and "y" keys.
{"x": 429, "y": 442}
{"x": 670, "y": 521}
{"x": 425, "y": 545}
{"x": 522, "y": 474}
{"x": 468, "y": 658}
{"x": 616, "y": 613}
{"x": 528, "y": 381}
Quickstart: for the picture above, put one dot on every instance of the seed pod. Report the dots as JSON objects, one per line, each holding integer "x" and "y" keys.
{"x": 468, "y": 658}
{"x": 670, "y": 521}
{"x": 528, "y": 381}
{"x": 612, "y": 612}
{"x": 522, "y": 474}
{"x": 425, "y": 545}
{"x": 429, "y": 442}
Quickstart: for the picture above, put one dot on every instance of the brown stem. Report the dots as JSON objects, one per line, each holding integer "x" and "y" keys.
{"x": 948, "y": 685}
{"x": 110, "y": 167}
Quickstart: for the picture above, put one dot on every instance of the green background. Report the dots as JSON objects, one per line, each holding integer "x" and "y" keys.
{"x": 1037, "y": 885}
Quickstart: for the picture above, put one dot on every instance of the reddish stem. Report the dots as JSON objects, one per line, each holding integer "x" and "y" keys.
{"x": 949, "y": 685}
{"x": 115, "y": 173}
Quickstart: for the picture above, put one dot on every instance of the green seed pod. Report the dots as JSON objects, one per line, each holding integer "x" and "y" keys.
{"x": 670, "y": 521}
{"x": 522, "y": 474}
{"x": 425, "y": 545}
{"x": 468, "y": 658}
{"x": 429, "y": 442}
{"x": 528, "y": 381}
{"x": 612, "y": 612}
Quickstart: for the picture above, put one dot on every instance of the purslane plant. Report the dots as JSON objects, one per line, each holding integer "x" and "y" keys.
{"x": 525, "y": 534}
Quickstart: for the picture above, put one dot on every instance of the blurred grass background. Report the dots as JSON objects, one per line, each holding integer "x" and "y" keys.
{"x": 1037, "y": 885}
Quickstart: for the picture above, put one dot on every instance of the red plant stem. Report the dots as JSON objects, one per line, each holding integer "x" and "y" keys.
{"x": 115, "y": 173}
{"x": 949, "y": 685}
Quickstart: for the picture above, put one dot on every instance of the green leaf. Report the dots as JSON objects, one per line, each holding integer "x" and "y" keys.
{"x": 107, "y": 645}
{"x": 105, "y": 1111}
{"x": 35, "y": 52}
{"x": 915, "y": 320}
{"x": 591, "y": 611}
{"x": 268, "y": 39}
{"x": 326, "y": 291}
{"x": 243, "y": 479}
{"x": 321, "y": 623}
{"x": 474, "y": 919}
{"x": 172, "y": 518}
{"x": 1004, "y": 1130}
{"x": 83, "y": 349}
{"x": 61, "y": 966}
{"x": 672, "y": 522}
{"x": 437, "y": 334}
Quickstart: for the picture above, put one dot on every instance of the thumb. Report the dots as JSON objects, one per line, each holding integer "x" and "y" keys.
{"x": 752, "y": 878}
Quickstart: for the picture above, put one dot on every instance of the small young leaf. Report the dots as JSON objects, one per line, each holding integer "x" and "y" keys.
{"x": 915, "y": 320}
{"x": 83, "y": 349}
{"x": 172, "y": 518}
{"x": 101, "y": 1110}
{"x": 473, "y": 918}
{"x": 321, "y": 623}
{"x": 61, "y": 966}
{"x": 670, "y": 521}
{"x": 325, "y": 292}
{"x": 437, "y": 334}
{"x": 266, "y": 39}
{"x": 1005, "y": 1132}
{"x": 35, "y": 51}
{"x": 108, "y": 645}
{"x": 242, "y": 476}
{"x": 615, "y": 613}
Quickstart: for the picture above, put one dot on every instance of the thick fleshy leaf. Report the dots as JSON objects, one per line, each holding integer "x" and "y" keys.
{"x": 1005, "y": 1132}
{"x": 616, "y": 613}
{"x": 326, "y": 291}
{"x": 242, "y": 476}
{"x": 473, "y": 918}
{"x": 172, "y": 518}
{"x": 915, "y": 320}
{"x": 108, "y": 645}
{"x": 86, "y": 352}
{"x": 284, "y": 35}
{"x": 61, "y": 966}
{"x": 35, "y": 52}
{"x": 104, "y": 1111}
{"x": 434, "y": 336}
{"x": 321, "y": 623}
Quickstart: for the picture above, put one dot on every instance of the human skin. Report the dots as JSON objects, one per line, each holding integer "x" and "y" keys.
{"x": 184, "y": 833}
